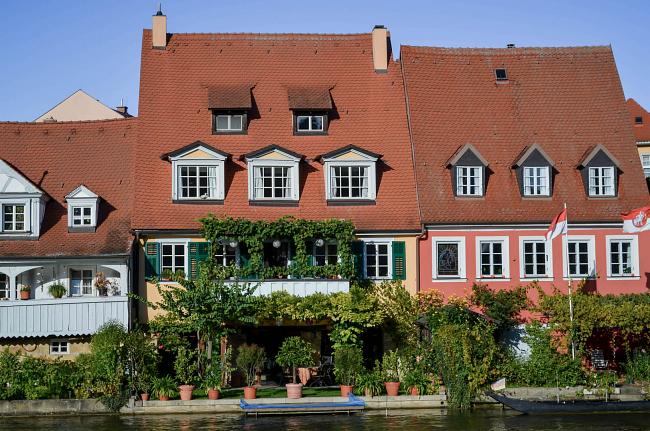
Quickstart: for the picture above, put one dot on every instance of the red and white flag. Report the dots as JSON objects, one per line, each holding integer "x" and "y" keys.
{"x": 637, "y": 220}
{"x": 558, "y": 226}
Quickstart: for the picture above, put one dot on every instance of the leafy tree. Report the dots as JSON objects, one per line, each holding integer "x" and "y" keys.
{"x": 294, "y": 352}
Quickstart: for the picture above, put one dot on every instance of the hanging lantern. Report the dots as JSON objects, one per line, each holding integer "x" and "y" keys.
{"x": 320, "y": 242}
{"x": 233, "y": 243}
{"x": 276, "y": 243}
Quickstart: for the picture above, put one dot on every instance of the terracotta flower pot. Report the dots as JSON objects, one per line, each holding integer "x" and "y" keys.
{"x": 392, "y": 388}
{"x": 186, "y": 392}
{"x": 250, "y": 392}
{"x": 24, "y": 294}
{"x": 346, "y": 390}
{"x": 214, "y": 394}
{"x": 414, "y": 391}
{"x": 294, "y": 390}
{"x": 163, "y": 398}
{"x": 144, "y": 397}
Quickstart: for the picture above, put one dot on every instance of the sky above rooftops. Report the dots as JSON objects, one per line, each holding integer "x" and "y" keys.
{"x": 53, "y": 48}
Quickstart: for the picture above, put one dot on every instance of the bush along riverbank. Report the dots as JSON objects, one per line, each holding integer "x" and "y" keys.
{"x": 453, "y": 346}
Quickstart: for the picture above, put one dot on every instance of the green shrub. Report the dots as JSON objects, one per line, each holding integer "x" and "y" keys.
{"x": 57, "y": 290}
{"x": 295, "y": 352}
{"x": 163, "y": 387}
{"x": 11, "y": 387}
{"x": 348, "y": 363}
{"x": 418, "y": 379}
{"x": 250, "y": 358}
{"x": 371, "y": 381}
{"x": 391, "y": 366}
{"x": 637, "y": 368}
{"x": 185, "y": 365}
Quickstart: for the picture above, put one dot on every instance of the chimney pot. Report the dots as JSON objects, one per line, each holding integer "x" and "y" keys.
{"x": 159, "y": 30}
{"x": 122, "y": 109}
{"x": 510, "y": 45}
{"x": 380, "y": 45}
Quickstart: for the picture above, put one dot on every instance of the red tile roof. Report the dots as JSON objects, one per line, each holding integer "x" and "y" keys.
{"x": 58, "y": 157}
{"x": 370, "y": 113}
{"x": 641, "y": 131}
{"x": 564, "y": 99}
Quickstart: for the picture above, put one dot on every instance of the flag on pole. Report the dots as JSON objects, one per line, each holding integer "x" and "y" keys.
{"x": 636, "y": 220}
{"x": 558, "y": 226}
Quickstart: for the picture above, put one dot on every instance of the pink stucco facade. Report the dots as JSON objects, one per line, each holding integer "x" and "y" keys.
{"x": 512, "y": 237}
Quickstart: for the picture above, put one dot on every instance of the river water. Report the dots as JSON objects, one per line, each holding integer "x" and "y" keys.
{"x": 401, "y": 420}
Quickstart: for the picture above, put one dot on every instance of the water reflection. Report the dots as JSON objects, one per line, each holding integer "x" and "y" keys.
{"x": 401, "y": 420}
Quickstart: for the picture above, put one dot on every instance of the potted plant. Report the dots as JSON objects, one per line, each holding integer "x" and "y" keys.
{"x": 347, "y": 364}
{"x": 186, "y": 372}
{"x": 371, "y": 382}
{"x": 57, "y": 290}
{"x": 103, "y": 285}
{"x": 294, "y": 352}
{"x": 212, "y": 380}
{"x": 250, "y": 358}
{"x": 391, "y": 369}
{"x": 417, "y": 382}
{"x": 25, "y": 291}
{"x": 163, "y": 387}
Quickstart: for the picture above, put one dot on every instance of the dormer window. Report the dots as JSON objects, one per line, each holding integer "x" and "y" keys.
{"x": 351, "y": 174}
{"x": 82, "y": 210}
{"x": 273, "y": 175}
{"x": 534, "y": 169}
{"x": 468, "y": 170}
{"x": 638, "y": 120}
{"x": 230, "y": 106}
{"x": 197, "y": 173}
{"x": 600, "y": 173}
{"x": 13, "y": 218}
{"x": 501, "y": 74}
{"x": 310, "y": 108}
{"x": 22, "y": 205}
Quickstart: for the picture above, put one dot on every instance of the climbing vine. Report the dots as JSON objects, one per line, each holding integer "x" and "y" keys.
{"x": 252, "y": 234}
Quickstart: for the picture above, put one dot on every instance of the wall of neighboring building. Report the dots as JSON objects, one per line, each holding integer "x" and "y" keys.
{"x": 79, "y": 106}
{"x": 40, "y": 347}
{"x": 512, "y": 237}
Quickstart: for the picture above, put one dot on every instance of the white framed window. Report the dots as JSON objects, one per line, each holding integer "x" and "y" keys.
{"x": 601, "y": 181}
{"x": 198, "y": 181}
{"x": 229, "y": 123}
{"x": 536, "y": 181}
{"x": 492, "y": 257}
{"x": 306, "y": 123}
{"x": 172, "y": 257}
{"x": 349, "y": 182}
{"x": 378, "y": 259}
{"x": 535, "y": 258}
{"x": 622, "y": 256}
{"x": 4, "y": 287}
{"x": 469, "y": 180}
{"x": 81, "y": 282}
{"x": 326, "y": 254}
{"x": 14, "y": 218}
{"x": 225, "y": 254}
{"x": 82, "y": 216}
{"x": 449, "y": 258}
{"x": 645, "y": 162}
{"x": 581, "y": 253}
{"x": 59, "y": 347}
{"x": 273, "y": 176}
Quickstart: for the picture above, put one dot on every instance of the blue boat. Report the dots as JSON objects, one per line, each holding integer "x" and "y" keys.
{"x": 353, "y": 404}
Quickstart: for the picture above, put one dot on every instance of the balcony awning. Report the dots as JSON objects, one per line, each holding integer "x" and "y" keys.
{"x": 318, "y": 98}
{"x": 230, "y": 97}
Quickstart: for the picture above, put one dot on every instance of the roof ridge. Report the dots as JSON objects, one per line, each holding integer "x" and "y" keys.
{"x": 515, "y": 50}
{"x": 270, "y": 36}
{"x": 65, "y": 123}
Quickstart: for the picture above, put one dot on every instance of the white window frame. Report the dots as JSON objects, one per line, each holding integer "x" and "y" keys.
{"x": 92, "y": 280}
{"x": 93, "y": 215}
{"x": 548, "y": 250}
{"x": 223, "y": 254}
{"x": 591, "y": 239}
{"x": 325, "y": 255}
{"x": 462, "y": 260}
{"x": 540, "y": 183}
{"x": 634, "y": 256}
{"x": 260, "y": 163}
{"x": 230, "y": 128}
{"x": 645, "y": 164}
{"x": 5, "y": 282}
{"x": 599, "y": 172}
{"x": 174, "y": 243}
{"x": 59, "y": 342}
{"x": 372, "y": 179}
{"x": 469, "y": 170}
{"x": 26, "y": 216}
{"x": 310, "y": 129}
{"x": 378, "y": 241}
{"x": 198, "y": 163}
{"x": 505, "y": 257}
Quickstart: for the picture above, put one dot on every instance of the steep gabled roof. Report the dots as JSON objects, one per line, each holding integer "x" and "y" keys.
{"x": 460, "y": 152}
{"x": 80, "y": 106}
{"x": 58, "y": 157}
{"x": 368, "y": 109}
{"x": 641, "y": 131}
{"x": 564, "y": 99}
{"x": 527, "y": 151}
{"x": 592, "y": 152}
{"x": 348, "y": 148}
{"x": 269, "y": 149}
{"x": 197, "y": 145}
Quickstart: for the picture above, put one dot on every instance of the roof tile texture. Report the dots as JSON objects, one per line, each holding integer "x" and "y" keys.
{"x": 567, "y": 100}
{"x": 370, "y": 113}
{"x": 641, "y": 131}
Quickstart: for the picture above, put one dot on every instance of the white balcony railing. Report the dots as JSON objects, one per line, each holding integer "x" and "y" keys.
{"x": 61, "y": 317}
{"x": 299, "y": 287}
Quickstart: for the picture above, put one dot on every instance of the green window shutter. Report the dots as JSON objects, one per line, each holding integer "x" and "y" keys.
{"x": 357, "y": 255}
{"x": 244, "y": 258}
{"x": 151, "y": 260}
{"x": 309, "y": 246}
{"x": 198, "y": 252}
{"x": 399, "y": 260}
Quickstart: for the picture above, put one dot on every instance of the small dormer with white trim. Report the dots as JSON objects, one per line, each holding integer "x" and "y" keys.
{"x": 83, "y": 207}
{"x": 22, "y": 205}
{"x": 350, "y": 175}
